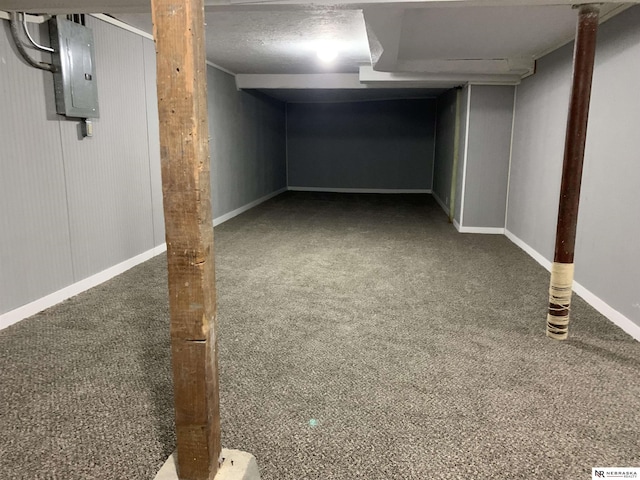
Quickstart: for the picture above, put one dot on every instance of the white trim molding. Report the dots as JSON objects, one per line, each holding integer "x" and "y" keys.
{"x": 592, "y": 299}
{"x": 513, "y": 127}
{"x": 463, "y": 184}
{"x": 218, "y": 67}
{"x": 20, "y": 313}
{"x": 234, "y": 213}
{"x": 360, "y": 190}
{"x": 120, "y": 24}
{"x": 538, "y": 257}
{"x": 608, "y": 311}
{"x": 296, "y": 81}
{"x": 480, "y": 230}
{"x": 25, "y": 311}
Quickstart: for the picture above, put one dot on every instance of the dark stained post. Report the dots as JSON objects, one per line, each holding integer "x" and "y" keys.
{"x": 184, "y": 149}
{"x": 561, "y": 284}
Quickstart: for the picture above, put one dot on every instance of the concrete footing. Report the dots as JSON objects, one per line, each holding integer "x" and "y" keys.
{"x": 235, "y": 465}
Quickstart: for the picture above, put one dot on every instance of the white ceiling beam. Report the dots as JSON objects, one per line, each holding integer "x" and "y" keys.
{"x": 496, "y": 66}
{"x": 57, "y": 7}
{"x": 331, "y": 81}
{"x": 386, "y": 26}
{"x": 298, "y": 81}
{"x": 412, "y": 3}
{"x": 367, "y": 78}
{"x": 377, "y": 79}
{"x": 141, "y": 6}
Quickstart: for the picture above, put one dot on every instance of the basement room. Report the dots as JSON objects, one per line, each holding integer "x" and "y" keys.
{"x": 338, "y": 240}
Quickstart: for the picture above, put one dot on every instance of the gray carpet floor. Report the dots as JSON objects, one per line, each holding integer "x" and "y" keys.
{"x": 361, "y": 337}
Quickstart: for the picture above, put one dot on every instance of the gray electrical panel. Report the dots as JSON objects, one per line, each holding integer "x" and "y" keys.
{"x": 75, "y": 71}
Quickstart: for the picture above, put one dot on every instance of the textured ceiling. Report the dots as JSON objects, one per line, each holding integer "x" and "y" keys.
{"x": 424, "y": 44}
{"x": 409, "y": 37}
{"x": 274, "y": 41}
{"x": 270, "y": 41}
{"x": 483, "y": 32}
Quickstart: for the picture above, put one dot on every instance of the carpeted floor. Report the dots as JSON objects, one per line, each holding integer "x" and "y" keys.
{"x": 361, "y": 337}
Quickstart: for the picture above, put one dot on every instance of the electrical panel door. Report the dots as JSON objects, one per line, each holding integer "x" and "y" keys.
{"x": 75, "y": 72}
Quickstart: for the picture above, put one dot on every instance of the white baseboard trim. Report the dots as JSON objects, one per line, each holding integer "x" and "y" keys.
{"x": 592, "y": 299}
{"x": 440, "y": 202}
{"x": 54, "y": 298}
{"x": 20, "y": 313}
{"x": 234, "y": 213}
{"x": 72, "y": 290}
{"x": 608, "y": 311}
{"x": 538, "y": 257}
{"x": 482, "y": 230}
{"x": 360, "y": 190}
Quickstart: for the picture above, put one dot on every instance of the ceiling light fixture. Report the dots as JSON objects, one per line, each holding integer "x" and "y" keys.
{"x": 327, "y": 53}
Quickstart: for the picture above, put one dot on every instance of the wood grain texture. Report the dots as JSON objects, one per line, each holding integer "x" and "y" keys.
{"x": 184, "y": 151}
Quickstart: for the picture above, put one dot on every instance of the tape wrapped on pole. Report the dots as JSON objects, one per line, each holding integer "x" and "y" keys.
{"x": 560, "y": 291}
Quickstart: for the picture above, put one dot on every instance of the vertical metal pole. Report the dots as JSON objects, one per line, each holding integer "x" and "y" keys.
{"x": 561, "y": 284}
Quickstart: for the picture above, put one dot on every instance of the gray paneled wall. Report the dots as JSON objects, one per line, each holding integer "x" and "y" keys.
{"x": 35, "y": 249}
{"x": 107, "y": 176}
{"x": 445, "y": 139}
{"x": 71, "y": 207}
{"x": 370, "y": 145}
{"x": 248, "y": 148}
{"x": 607, "y": 253}
{"x": 536, "y": 161}
{"x": 487, "y": 156}
{"x": 149, "y": 52}
{"x": 464, "y": 128}
{"x": 486, "y": 114}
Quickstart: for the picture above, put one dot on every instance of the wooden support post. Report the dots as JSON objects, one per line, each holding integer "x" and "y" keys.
{"x": 561, "y": 284}
{"x": 184, "y": 148}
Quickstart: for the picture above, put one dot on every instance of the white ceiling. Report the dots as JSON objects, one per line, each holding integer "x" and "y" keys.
{"x": 286, "y": 41}
{"x": 483, "y": 32}
{"x": 271, "y": 44}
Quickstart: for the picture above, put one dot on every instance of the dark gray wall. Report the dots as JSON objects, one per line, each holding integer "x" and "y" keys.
{"x": 248, "y": 147}
{"x": 70, "y": 208}
{"x": 445, "y": 137}
{"x": 487, "y": 162}
{"x": 607, "y": 255}
{"x": 376, "y": 145}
